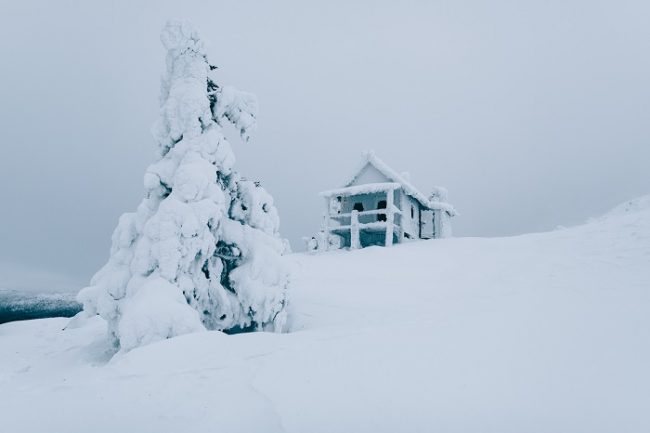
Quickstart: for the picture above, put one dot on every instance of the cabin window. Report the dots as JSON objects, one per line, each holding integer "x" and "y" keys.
{"x": 358, "y": 206}
{"x": 381, "y": 205}
{"x": 412, "y": 211}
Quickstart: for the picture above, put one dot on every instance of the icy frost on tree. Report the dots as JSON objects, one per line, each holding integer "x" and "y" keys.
{"x": 203, "y": 248}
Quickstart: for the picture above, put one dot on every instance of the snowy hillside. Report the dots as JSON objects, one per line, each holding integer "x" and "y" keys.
{"x": 26, "y": 293}
{"x": 545, "y": 332}
{"x": 18, "y": 305}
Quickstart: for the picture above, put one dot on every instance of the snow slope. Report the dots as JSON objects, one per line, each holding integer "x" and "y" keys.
{"x": 544, "y": 332}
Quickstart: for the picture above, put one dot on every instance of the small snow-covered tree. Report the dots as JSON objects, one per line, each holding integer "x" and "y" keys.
{"x": 203, "y": 248}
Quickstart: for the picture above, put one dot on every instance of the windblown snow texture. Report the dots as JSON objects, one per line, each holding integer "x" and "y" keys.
{"x": 203, "y": 248}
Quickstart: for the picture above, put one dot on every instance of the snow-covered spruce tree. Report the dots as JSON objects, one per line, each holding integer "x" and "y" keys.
{"x": 203, "y": 248}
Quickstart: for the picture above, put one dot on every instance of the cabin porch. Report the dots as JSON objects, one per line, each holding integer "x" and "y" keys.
{"x": 363, "y": 215}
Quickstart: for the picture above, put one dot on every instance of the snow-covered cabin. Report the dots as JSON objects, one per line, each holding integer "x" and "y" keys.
{"x": 378, "y": 206}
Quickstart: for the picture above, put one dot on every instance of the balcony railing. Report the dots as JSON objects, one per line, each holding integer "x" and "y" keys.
{"x": 396, "y": 211}
{"x": 355, "y": 225}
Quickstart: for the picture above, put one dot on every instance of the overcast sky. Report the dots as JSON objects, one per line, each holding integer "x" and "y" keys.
{"x": 533, "y": 114}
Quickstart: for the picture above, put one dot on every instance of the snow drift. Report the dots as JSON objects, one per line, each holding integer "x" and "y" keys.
{"x": 544, "y": 332}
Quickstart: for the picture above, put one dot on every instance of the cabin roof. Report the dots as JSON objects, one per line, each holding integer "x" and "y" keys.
{"x": 395, "y": 178}
{"x": 367, "y": 188}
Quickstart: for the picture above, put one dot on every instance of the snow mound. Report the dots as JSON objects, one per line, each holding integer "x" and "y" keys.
{"x": 638, "y": 205}
{"x": 156, "y": 312}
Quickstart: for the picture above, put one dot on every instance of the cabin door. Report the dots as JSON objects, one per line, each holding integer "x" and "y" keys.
{"x": 426, "y": 224}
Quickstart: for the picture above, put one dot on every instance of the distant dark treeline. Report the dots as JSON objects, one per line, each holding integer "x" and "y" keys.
{"x": 16, "y": 306}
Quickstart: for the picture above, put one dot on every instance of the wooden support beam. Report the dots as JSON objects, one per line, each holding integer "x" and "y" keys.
{"x": 326, "y": 226}
{"x": 326, "y": 233}
{"x": 390, "y": 217}
{"x": 354, "y": 230}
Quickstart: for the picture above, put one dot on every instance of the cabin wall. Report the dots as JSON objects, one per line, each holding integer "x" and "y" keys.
{"x": 369, "y": 174}
{"x": 410, "y": 224}
{"x": 427, "y": 224}
{"x": 442, "y": 224}
{"x": 371, "y": 238}
{"x": 345, "y": 239}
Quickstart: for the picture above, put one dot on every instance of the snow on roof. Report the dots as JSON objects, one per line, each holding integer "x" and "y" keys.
{"x": 409, "y": 189}
{"x": 367, "y": 188}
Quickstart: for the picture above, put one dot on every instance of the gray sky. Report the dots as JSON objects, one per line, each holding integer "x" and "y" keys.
{"x": 532, "y": 113}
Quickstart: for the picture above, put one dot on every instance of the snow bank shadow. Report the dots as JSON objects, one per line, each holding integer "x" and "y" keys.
{"x": 99, "y": 352}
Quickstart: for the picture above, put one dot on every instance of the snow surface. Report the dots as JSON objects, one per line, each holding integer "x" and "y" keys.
{"x": 544, "y": 332}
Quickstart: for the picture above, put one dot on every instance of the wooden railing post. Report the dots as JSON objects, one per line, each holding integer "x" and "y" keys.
{"x": 326, "y": 232}
{"x": 390, "y": 217}
{"x": 354, "y": 230}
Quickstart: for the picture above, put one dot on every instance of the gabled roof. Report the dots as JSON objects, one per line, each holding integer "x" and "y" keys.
{"x": 393, "y": 176}
{"x": 367, "y": 188}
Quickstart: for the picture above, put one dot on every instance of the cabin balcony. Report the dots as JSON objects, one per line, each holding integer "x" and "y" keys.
{"x": 360, "y": 229}
{"x": 364, "y": 217}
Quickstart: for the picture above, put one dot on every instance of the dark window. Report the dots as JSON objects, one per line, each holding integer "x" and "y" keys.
{"x": 358, "y": 207}
{"x": 381, "y": 205}
{"x": 412, "y": 211}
